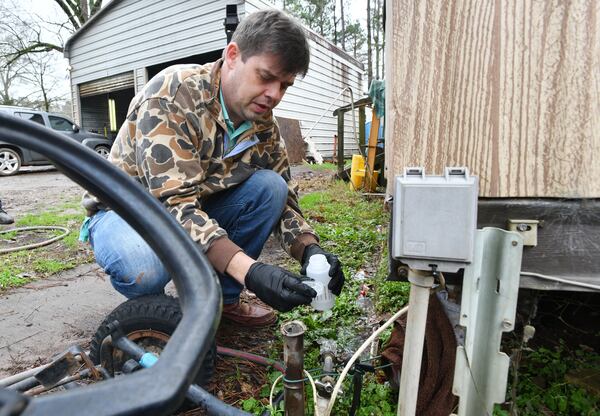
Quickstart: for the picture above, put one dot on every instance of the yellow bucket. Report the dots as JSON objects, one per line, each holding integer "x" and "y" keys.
{"x": 357, "y": 173}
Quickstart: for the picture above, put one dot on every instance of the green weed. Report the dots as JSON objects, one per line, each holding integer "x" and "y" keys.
{"x": 543, "y": 387}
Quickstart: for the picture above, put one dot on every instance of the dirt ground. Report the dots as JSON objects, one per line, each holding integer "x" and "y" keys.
{"x": 44, "y": 317}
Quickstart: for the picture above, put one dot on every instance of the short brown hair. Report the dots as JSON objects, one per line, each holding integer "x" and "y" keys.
{"x": 272, "y": 31}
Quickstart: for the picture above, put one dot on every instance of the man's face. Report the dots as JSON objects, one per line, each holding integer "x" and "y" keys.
{"x": 254, "y": 87}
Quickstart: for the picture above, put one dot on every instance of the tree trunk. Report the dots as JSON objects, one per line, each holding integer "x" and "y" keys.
{"x": 369, "y": 52}
{"x": 43, "y": 89}
{"x": 85, "y": 10}
{"x": 383, "y": 40}
{"x": 335, "y": 38}
{"x": 376, "y": 30}
{"x": 342, "y": 18}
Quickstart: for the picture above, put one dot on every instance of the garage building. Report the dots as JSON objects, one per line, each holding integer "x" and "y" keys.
{"x": 127, "y": 42}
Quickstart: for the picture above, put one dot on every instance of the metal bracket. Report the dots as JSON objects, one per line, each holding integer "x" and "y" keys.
{"x": 527, "y": 229}
{"x": 488, "y": 308}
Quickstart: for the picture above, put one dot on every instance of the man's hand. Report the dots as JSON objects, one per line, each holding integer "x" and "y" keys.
{"x": 277, "y": 287}
{"x": 335, "y": 267}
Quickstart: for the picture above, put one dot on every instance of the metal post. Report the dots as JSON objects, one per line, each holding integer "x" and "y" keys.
{"x": 340, "y": 143}
{"x": 362, "y": 118}
{"x": 418, "y": 304}
{"x": 293, "y": 357}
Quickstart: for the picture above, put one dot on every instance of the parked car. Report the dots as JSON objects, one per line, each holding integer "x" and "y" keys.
{"x": 13, "y": 157}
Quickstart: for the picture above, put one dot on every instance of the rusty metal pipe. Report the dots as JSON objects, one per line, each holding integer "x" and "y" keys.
{"x": 293, "y": 358}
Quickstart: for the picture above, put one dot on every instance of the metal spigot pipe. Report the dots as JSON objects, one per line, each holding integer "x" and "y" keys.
{"x": 293, "y": 358}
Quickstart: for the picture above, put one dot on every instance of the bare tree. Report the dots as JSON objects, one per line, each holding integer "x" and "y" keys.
{"x": 10, "y": 74}
{"x": 37, "y": 38}
{"x": 38, "y": 74}
{"x": 79, "y": 12}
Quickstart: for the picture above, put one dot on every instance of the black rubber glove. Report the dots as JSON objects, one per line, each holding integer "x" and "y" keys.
{"x": 277, "y": 287}
{"x": 335, "y": 267}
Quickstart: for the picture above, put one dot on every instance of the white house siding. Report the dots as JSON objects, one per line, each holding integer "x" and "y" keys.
{"x": 136, "y": 34}
{"x": 330, "y": 71}
{"x": 310, "y": 98}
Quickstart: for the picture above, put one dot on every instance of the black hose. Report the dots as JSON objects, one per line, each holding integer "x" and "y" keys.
{"x": 212, "y": 405}
{"x": 278, "y": 399}
{"x": 357, "y": 382}
{"x": 195, "y": 280}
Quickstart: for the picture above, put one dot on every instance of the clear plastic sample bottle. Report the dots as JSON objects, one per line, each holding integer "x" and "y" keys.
{"x": 318, "y": 269}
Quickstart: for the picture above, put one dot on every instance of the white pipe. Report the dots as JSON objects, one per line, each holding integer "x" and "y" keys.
{"x": 418, "y": 302}
{"x": 561, "y": 280}
{"x": 9, "y": 381}
{"x": 357, "y": 354}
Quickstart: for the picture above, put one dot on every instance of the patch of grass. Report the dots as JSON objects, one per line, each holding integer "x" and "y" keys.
{"x": 9, "y": 277}
{"x": 354, "y": 230}
{"x": 41, "y": 262}
{"x": 50, "y": 266}
{"x": 389, "y": 296}
{"x": 8, "y": 235}
{"x": 348, "y": 226}
{"x": 51, "y": 217}
{"x": 325, "y": 166}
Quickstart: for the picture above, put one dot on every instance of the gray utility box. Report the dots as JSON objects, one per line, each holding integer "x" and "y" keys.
{"x": 435, "y": 219}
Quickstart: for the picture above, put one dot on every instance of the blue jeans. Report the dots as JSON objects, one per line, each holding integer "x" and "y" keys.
{"x": 248, "y": 212}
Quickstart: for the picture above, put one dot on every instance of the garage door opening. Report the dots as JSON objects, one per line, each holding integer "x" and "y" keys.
{"x": 105, "y": 113}
{"x": 201, "y": 59}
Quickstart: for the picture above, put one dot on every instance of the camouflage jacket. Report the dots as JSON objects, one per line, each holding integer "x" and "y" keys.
{"x": 172, "y": 143}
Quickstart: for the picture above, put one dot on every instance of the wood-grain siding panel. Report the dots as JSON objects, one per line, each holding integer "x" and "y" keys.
{"x": 509, "y": 89}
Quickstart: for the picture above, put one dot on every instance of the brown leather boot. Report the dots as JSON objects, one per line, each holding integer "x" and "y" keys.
{"x": 249, "y": 315}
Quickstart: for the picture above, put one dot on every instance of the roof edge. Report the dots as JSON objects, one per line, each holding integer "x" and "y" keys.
{"x": 86, "y": 25}
{"x": 333, "y": 47}
{"x": 312, "y": 34}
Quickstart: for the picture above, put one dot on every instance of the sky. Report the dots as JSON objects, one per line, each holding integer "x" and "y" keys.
{"x": 50, "y": 11}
